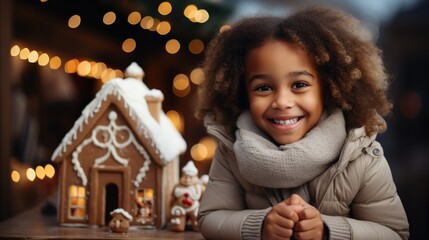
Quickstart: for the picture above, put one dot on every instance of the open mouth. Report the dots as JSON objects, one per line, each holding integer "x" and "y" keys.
{"x": 286, "y": 122}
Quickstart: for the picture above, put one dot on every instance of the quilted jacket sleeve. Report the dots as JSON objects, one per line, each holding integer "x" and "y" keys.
{"x": 222, "y": 213}
{"x": 376, "y": 211}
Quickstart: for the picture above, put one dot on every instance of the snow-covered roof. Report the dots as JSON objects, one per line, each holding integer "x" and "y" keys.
{"x": 164, "y": 136}
{"x": 123, "y": 212}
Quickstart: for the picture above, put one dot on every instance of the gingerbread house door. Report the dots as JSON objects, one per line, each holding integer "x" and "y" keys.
{"x": 110, "y": 189}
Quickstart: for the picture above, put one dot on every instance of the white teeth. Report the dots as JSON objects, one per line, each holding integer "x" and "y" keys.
{"x": 286, "y": 122}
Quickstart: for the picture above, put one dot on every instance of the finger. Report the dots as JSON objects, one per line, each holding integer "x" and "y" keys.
{"x": 308, "y": 212}
{"x": 286, "y": 211}
{"x": 314, "y": 233}
{"x": 277, "y": 232}
{"x": 295, "y": 199}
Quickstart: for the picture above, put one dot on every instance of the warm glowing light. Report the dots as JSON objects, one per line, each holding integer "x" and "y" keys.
{"x": 148, "y": 194}
{"x": 109, "y": 18}
{"x": 164, "y": 8}
{"x": 196, "y": 46}
{"x": 163, "y": 28}
{"x": 107, "y": 75}
{"x": 24, "y": 53}
{"x": 33, "y": 56}
{"x": 147, "y": 22}
{"x": 202, "y": 16}
{"x": 210, "y": 145}
{"x": 177, "y": 120}
{"x": 55, "y": 63}
{"x": 43, "y": 59}
{"x": 84, "y": 68}
{"x": 14, "y": 51}
{"x": 118, "y": 73}
{"x": 199, "y": 152}
{"x": 71, "y": 66}
{"x": 134, "y": 18}
{"x": 197, "y": 76}
{"x": 224, "y": 28}
{"x": 129, "y": 45}
{"x": 31, "y": 174}
{"x": 97, "y": 69}
{"x": 181, "y": 82}
{"x": 49, "y": 171}
{"x": 40, "y": 172}
{"x": 172, "y": 46}
{"x": 15, "y": 176}
{"x": 190, "y": 11}
{"x": 74, "y": 21}
{"x": 155, "y": 25}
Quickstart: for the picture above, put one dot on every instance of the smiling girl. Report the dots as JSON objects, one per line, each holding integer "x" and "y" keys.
{"x": 296, "y": 104}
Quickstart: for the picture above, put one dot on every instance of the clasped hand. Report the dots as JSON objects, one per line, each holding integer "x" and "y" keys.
{"x": 293, "y": 218}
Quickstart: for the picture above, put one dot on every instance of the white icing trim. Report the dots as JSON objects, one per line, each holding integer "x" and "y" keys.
{"x": 123, "y": 212}
{"x": 159, "y": 135}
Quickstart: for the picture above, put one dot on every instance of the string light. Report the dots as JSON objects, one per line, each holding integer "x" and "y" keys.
{"x": 172, "y": 46}
{"x": 74, "y": 21}
{"x": 109, "y": 18}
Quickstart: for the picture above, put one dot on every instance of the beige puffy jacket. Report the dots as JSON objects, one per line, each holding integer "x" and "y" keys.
{"x": 356, "y": 196}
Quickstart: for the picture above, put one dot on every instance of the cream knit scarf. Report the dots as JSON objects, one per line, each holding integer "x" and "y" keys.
{"x": 265, "y": 164}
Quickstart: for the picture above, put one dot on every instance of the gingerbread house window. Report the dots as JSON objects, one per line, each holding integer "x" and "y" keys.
{"x": 77, "y": 202}
{"x": 145, "y": 203}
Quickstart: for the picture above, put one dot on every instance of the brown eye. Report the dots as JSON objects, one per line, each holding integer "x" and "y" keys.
{"x": 263, "y": 88}
{"x": 299, "y": 85}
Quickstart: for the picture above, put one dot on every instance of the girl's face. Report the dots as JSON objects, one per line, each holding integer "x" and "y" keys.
{"x": 284, "y": 90}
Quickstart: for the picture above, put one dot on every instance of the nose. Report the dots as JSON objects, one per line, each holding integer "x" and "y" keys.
{"x": 283, "y": 99}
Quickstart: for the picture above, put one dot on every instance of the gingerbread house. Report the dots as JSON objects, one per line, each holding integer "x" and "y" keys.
{"x": 123, "y": 152}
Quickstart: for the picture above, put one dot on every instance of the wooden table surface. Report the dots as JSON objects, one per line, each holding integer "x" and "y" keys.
{"x": 33, "y": 225}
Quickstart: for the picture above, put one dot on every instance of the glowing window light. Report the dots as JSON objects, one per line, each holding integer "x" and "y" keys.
{"x": 190, "y": 11}
{"x": 147, "y": 22}
{"x": 55, "y": 63}
{"x": 109, "y": 18}
{"x": 176, "y": 119}
{"x": 71, "y": 66}
{"x": 24, "y": 53}
{"x": 40, "y": 172}
{"x": 33, "y": 56}
{"x": 43, "y": 59}
{"x": 199, "y": 152}
{"x": 84, "y": 68}
{"x": 134, "y": 18}
{"x": 74, "y": 21}
{"x": 172, "y": 46}
{"x": 197, "y": 76}
{"x": 196, "y": 46}
{"x": 31, "y": 174}
{"x": 163, "y": 28}
{"x": 49, "y": 171}
{"x": 164, "y": 8}
{"x": 15, "y": 176}
{"x": 129, "y": 45}
{"x": 14, "y": 51}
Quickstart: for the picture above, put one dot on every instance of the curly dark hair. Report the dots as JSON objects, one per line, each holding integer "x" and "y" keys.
{"x": 349, "y": 64}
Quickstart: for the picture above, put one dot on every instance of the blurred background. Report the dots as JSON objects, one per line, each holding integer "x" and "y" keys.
{"x": 55, "y": 56}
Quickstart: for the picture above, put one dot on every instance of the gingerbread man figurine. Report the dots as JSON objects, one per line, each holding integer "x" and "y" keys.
{"x": 186, "y": 199}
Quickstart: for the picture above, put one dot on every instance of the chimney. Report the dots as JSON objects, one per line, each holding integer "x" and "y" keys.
{"x": 154, "y": 102}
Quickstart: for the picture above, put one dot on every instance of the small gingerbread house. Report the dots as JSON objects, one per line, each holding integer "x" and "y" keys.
{"x": 123, "y": 152}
